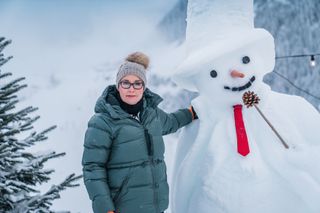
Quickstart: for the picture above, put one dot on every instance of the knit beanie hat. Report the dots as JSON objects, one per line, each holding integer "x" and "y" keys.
{"x": 135, "y": 64}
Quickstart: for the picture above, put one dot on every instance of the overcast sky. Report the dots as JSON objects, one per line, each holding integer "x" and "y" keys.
{"x": 73, "y": 20}
{"x": 45, "y": 32}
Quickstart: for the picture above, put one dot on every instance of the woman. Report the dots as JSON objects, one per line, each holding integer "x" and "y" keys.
{"x": 123, "y": 163}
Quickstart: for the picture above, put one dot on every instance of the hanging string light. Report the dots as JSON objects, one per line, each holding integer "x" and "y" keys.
{"x": 313, "y": 62}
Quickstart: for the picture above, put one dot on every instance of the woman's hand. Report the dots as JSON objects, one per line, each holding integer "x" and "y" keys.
{"x": 193, "y": 113}
{"x": 110, "y": 212}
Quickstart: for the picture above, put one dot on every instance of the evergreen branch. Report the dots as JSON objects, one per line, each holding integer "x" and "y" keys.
{"x": 13, "y": 118}
{"x": 30, "y": 170}
{"x": 17, "y": 186}
{"x": 5, "y": 60}
{"x": 8, "y": 106}
{"x": 27, "y": 142}
{"x": 50, "y": 156}
{"x": 34, "y": 137}
{"x": 5, "y": 100}
{"x": 3, "y": 147}
{"x": 42, "y": 135}
{"x": 5, "y": 75}
{"x": 31, "y": 175}
{"x": 9, "y": 133}
{"x": 11, "y": 91}
{"x": 4, "y": 43}
{"x": 30, "y": 140}
{"x": 13, "y": 83}
{"x": 4, "y": 154}
{"x": 28, "y": 122}
{"x": 48, "y": 129}
{"x": 45, "y": 201}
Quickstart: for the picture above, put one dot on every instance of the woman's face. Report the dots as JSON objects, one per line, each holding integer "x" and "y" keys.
{"x": 134, "y": 93}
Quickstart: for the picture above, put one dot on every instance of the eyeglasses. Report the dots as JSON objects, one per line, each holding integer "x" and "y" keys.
{"x": 127, "y": 84}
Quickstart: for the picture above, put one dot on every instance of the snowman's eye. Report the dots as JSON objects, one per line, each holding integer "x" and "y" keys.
{"x": 246, "y": 60}
{"x": 213, "y": 74}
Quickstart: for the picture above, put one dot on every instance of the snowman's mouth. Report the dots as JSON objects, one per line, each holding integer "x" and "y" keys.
{"x": 246, "y": 86}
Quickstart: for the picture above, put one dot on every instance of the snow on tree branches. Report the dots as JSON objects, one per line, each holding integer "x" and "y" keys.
{"x": 22, "y": 171}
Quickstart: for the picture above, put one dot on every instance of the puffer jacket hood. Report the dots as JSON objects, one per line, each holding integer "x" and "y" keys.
{"x": 108, "y": 102}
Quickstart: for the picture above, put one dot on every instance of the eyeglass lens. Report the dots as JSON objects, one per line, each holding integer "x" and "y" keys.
{"x": 127, "y": 84}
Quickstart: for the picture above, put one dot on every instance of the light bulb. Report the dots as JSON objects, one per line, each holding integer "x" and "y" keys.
{"x": 312, "y": 61}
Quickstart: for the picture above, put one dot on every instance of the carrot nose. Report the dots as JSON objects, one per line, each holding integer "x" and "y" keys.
{"x": 236, "y": 74}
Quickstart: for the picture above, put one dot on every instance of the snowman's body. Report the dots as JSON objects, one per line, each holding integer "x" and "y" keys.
{"x": 212, "y": 177}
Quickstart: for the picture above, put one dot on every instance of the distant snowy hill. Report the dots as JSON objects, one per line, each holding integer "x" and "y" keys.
{"x": 173, "y": 25}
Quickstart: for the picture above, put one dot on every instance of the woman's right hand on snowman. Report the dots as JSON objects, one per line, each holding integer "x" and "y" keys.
{"x": 193, "y": 113}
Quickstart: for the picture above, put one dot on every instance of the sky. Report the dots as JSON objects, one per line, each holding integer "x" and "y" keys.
{"x": 62, "y": 24}
{"x": 73, "y": 21}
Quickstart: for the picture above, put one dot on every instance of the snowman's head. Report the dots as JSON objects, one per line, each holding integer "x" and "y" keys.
{"x": 225, "y": 69}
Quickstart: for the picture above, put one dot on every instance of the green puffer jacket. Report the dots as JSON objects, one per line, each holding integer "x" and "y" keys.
{"x": 123, "y": 162}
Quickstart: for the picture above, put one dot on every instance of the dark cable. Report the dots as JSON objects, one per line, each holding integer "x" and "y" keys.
{"x": 297, "y": 56}
{"x": 290, "y": 82}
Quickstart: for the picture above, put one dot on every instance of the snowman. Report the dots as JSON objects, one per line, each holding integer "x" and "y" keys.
{"x": 252, "y": 150}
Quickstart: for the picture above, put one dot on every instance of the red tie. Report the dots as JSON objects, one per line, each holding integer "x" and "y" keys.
{"x": 242, "y": 140}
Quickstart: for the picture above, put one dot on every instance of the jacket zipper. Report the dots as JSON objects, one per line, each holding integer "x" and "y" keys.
{"x": 150, "y": 154}
{"x": 155, "y": 197}
{"x": 148, "y": 142}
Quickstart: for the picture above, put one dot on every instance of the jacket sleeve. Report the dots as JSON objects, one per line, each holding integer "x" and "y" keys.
{"x": 171, "y": 122}
{"x": 97, "y": 143}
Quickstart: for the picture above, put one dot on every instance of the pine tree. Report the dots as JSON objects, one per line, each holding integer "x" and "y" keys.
{"x": 22, "y": 171}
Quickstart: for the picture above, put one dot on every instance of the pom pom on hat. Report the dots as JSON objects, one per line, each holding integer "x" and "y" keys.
{"x": 139, "y": 58}
{"x": 135, "y": 64}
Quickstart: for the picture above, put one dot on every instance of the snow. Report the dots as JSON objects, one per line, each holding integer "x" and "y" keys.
{"x": 209, "y": 174}
{"x": 67, "y": 71}
{"x": 227, "y": 16}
